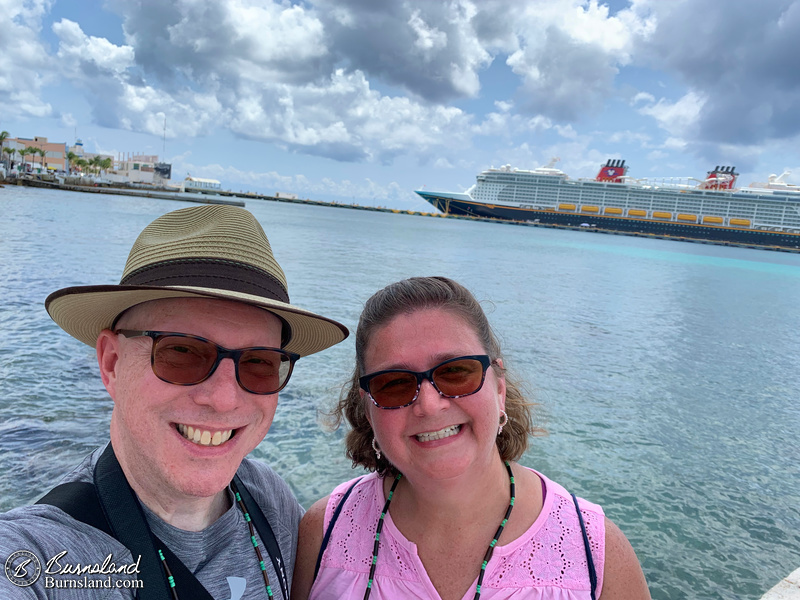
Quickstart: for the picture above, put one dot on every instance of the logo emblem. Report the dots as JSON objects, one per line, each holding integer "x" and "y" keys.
{"x": 23, "y": 568}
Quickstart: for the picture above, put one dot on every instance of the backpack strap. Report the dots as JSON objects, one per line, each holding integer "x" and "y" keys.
{"x": 329, "y": 530}
{"x": 111, "y": 506}
{"x": 79, "y": 500}
{"x": 129, "y": 525}
{"x": 588, "y": 549}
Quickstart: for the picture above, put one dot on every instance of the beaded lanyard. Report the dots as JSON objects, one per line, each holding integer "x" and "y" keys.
{"x": 489, "y": 551}
{"x": 253, "y": 539}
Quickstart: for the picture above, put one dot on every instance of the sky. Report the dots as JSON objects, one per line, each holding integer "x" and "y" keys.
{"x": 365, "y": 101}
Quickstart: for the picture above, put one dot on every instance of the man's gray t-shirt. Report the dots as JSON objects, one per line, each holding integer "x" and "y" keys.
{"x": 221, "y": 556}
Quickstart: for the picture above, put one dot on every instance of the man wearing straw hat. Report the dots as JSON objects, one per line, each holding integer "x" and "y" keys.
{"x": 193, "y": 346}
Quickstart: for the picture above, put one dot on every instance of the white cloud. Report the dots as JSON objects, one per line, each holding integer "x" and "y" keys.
{"x": 494, "y": 124}
{"x": 677, "y": 118}
{"x": 442, "y": 163}
{"x": 344, "y": 118}
{"x": 75, "y": 48}
{"x": 567, "y": 132}
{"x": 68, "y": 120}
{"x": 428, "y": 48}
{"x": 428, "y": 38}
{"x": 628, "y": 136}
{"x": 674, "y": 143}
{"x": 24, "y": 68}
{"x": 643, "y": 97}
{"x": 568, "y": 54}
{"x": 504, "y": 124}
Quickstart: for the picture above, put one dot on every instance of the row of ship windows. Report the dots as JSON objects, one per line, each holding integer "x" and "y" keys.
{"x": 791, "y": 220}
{"x": 761, "y": 209}
{"x": 659, "y": 205}
{"x": 656, "y": 214}
{"x": 519, "y": 193}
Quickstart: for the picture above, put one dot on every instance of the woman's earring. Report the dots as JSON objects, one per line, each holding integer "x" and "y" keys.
{"x": 378, "y": 450}
{"x": 503, "y": 423}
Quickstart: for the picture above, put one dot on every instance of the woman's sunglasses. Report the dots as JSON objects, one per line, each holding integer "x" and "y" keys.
{"x": 185, "y": 359}
{"x": 453, "y": 378}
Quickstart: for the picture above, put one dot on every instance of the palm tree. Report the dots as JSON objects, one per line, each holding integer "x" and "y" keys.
{"x": 33, "y": 152}
{"x": 81, "y": 163}
{"x": 3, "y": 136}
{"x": 95, "y": 162}
{"x": 22, "y": 154}
{"x": 71, "y": 158}
{"x": 106, "y": 163}
{"x": 10, "y": 152}
{"x": 43, "y": 153}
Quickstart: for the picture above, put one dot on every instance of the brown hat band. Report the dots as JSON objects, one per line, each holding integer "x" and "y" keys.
{"x": 211, "y": 273}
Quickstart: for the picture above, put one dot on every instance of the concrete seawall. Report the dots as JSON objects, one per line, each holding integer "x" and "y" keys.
{"x": 787, "y": 589}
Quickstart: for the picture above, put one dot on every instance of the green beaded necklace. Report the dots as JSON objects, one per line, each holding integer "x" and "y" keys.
{"x": 486, "y": 558}
{"x": 253, "y": 539}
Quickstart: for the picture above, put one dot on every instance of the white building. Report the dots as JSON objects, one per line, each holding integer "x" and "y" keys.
{"x": 198, "y": 184}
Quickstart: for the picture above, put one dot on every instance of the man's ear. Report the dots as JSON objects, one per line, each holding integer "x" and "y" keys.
{"x": 108, "y": 353}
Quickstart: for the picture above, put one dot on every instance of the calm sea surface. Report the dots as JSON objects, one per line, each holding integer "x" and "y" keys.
{"x": 668, "y": 373}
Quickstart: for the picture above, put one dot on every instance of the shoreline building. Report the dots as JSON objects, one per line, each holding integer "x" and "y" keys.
{"x": 140, "y": 169}
{"x": 199, "y": 184}
{"x": 78, "y": 150}
{"x": 54, "y": 159}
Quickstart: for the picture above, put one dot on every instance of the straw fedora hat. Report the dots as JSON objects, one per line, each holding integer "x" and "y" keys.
{"x": 209, "y": 251}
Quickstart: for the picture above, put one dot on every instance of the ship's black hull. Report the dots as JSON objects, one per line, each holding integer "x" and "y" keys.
{"x": 714, "y": 233}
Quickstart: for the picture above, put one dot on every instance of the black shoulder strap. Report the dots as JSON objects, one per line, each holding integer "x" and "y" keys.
{"x": 83, "y": 502}
{"x": 129, "y": 525}
{"x": 112, "y": 501}
{"x": 329, "y": 530}
{"x": 79, "y": 500}
{"x": 264, "y": 529}
{"x": 588, "y": 548}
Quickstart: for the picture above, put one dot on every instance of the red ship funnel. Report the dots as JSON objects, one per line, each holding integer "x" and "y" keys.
{"x": 721, "y": 178}
{"x": 613, "y": 171}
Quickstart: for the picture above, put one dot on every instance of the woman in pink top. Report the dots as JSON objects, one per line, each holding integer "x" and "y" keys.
{"x": 445, "y": 512}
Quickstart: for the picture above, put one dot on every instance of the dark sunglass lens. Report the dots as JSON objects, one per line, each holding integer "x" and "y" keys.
{"x": 183, "y": 360}
{"x": 459, "y": 377}
{"x": 393, "y": 389}
{"x": 264, "y": 371}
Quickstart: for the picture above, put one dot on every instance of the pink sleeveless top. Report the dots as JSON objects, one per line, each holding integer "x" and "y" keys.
{"x": 547, "y": 562}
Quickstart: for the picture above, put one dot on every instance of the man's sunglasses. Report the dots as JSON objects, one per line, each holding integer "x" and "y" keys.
{"x": 453, "y": 378}
{"x": 185, "y": 359}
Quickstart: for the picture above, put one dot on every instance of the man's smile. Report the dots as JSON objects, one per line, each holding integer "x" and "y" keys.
{"x": 204, "y": 437}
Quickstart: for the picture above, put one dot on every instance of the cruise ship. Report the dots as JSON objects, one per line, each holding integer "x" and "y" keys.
{"x": 714, "y": 209}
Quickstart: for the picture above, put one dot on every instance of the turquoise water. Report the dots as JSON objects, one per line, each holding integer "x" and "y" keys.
{"x": 666, "y": 372}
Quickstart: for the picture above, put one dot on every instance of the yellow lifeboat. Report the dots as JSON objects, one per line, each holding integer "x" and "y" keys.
{"x": 590, "y": 209}
{"x": 713, "y": 220}
{"x": 636, "y": 212}
{"x": 612, "y": 210}
{"x": 660, "y": 214}
{"x": 688, "y": 218}
{"x": 566, "y": 207}
{"x": 740, "y": 222}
